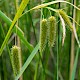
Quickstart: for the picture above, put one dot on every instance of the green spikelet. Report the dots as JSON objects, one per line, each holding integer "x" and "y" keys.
{"x": 66, "y": 19}
{"x": 51, "y": 31}
{"x": 15, "y": 59}
{"x": 43, "y": 34}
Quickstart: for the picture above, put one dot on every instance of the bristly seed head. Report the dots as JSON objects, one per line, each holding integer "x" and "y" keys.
{"x": 15, "y": 59}
{"x": 51, "y": 31}
{"x": 66, "y": 19}
{"x": 43, "y": 34}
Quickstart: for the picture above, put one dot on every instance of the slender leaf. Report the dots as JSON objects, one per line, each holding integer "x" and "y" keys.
{"x": 18, "y": 14}
{"x": 19, "y": 31}
{"x": 49, "y": 3}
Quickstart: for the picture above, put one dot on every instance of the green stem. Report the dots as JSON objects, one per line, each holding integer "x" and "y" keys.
{"x": 57, "y": 54}
{"x": 31, "y": 22}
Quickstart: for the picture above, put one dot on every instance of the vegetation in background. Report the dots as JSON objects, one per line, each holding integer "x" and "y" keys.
{"x": 46, "y": 35}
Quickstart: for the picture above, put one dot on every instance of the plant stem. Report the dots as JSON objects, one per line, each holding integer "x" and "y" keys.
{"x": 18, "y": 40}
{"x": 72, "y": 45}
{"x": 31, "y": 22}
{"x": 58, "y": 29}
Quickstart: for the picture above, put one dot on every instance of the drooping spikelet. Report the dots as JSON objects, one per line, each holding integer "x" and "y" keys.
{"x": 51, "y": 30}
{"x": 15, "y": 59}
{"x": 43, "y": 34}
{"x": 66, "y": 19}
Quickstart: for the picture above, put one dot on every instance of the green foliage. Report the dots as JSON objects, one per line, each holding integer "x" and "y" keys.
{"x": 35, "y": 35}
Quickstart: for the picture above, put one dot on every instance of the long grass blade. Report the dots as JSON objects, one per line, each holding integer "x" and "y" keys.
{"x": 49, "y": 3}
{"x": 18, "y": 14}
{"x": 19, "y": 31}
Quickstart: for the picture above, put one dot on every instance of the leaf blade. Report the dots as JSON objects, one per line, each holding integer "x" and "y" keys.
{"x": 19, "y": 31}
{"x": 18, "y": 14}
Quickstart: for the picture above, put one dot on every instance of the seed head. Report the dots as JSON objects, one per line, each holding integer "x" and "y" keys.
{"x": 15, "y": 59}
{"x": 66, "y": 19}
{"x": 43, "y": 34}
{"x": 51, "y": 30}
